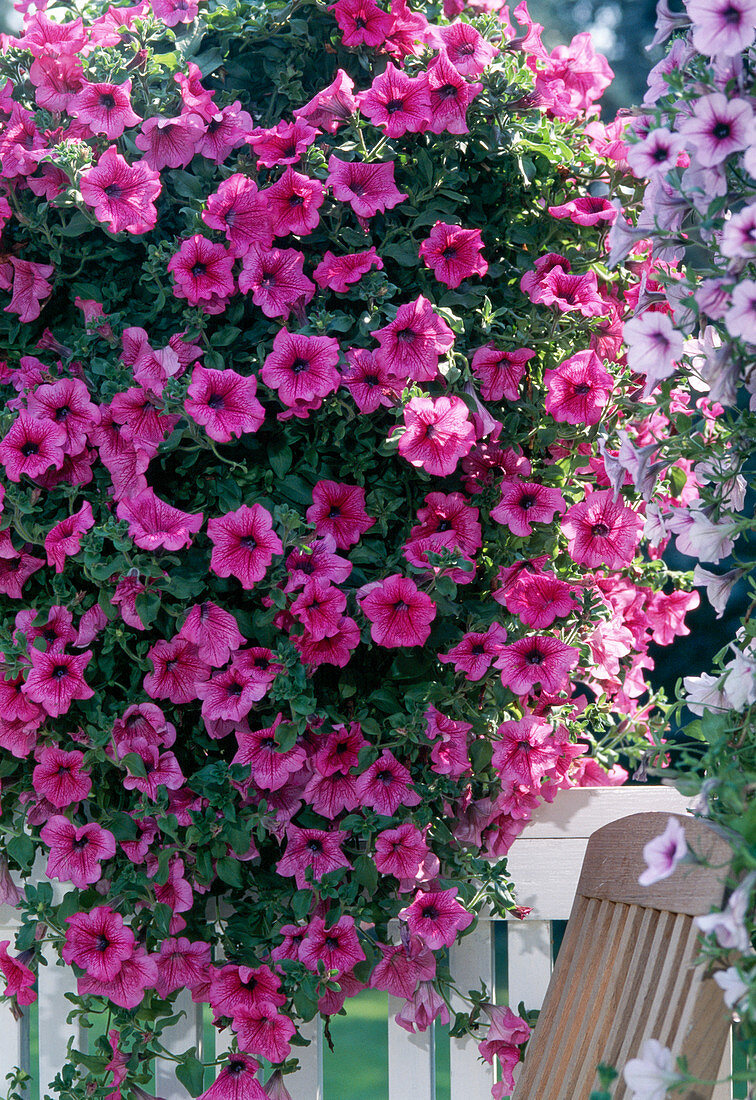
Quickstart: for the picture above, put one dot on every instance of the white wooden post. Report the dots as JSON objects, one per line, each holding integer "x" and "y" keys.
{"x": 53, "y": 983}
{"x": 528, "y": 962}
{"x": 471, "y": 962}
{"x": 412, "y": 1070}
{"x": 14, "y": 1034}
{"x": 177, "y": 1039}
{"x": 307, "y": 1083}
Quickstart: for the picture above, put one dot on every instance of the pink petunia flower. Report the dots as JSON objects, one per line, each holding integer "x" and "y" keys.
{"x": 137, "y": 974}
{"x": 312, "y": 850}
{"x": 57, "y": 81}
{"x": 449, "y": 516}
{"x": 538, "y": 659}
{"x": 524, "y": 503}
{"x": 397, "y": 103}
{"x": 172, "y": 12}
{"x": 66, "y": 402}
{"x": 58, "y": 776}
{"x": 227, "y": 129}
{"x": 466, "y": 48}
{"x": 437, "y": 433}
{"x": 105, "y": 108}
{"x": 224, "y": 403}
{"x": 538, "y": 598}
{"x": 122, "y": 194}
{"x": 339, "y": 272}
{"x": 586, "y": 210}
{"x": 400, "y": 851}
{"x": 420, "y": 1010}
{"x": 412, "y": 343}
{"x": 31, "y": 446}
{"x": 578, "y": 389}
{"x": 182, "y": 963}
{"x": 477, "y": 650}
{"x": 386, "y": 785}
{"x": 177, "y": 668}
{"x": 500, "y": 371}
{"x": 602, "y": 531}
{"x": 337, "y": 946}
{"x": 214, "y": 631}
{"x": 718, "y": 127}
{"x": 368, "y": 188}
{"x": 201, "y": 270}
{"x": 244, "y": 543}
{"x": 153, "y": 523}
{"x": 453, "y": 253}
{"x": 398, "y": 612}
{"x": 436, "y": 917}
{"x": 654, "y": 347}
{"x": 338, "y": 510}
{"x": 229, "y": 694}
{"x": 237, "y": 1081}
{"x": 293, "y": 202}
{"x": 277, "y": 280}
{"x": 450, "y": 96}
{"x": 56, "y": 679}
{"x": 722, "y": 27}
{"x": 362, "y": 22}
{"x": 270, "y": 769}
{"x": 29, "y": 284}
{"x": 76, "y": 853}
{"x": 525, "y": 751}
{"x": 19, "y": 979}
{"x": 98, "y": 942}
{"x": 319, "y": 608}
{"x": 302, "y": 369}
{"x": 170, "y": 142}
{"x": 332, "y": 106}
{"x": 663, "y": 853}
{"x": 282, "y": 144}
{"x": 64, "y": 539}
{"x": 656, "y": 153}
{"x": 238, "y": 209}
{"x": 741, "y": 316}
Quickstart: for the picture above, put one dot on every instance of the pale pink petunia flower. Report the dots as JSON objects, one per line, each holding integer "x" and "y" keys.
{"x": 652, "y": 1075}
{"x": 172, "y": 12}
{"x": 722, "y": 27}
{"x": 602, "y": 531}
{"x": 663, "y": 853}
{"x": 740, "y": 318}
{"x": 718, "y": 127}
{"x": 438, "y": 433}
{"x": 436, "y": 917}
{"x": 656, "y": 153}
{"x": 732, "y": 985}
{"x": 729, "y": 926}
{"x": 524, "y": 503}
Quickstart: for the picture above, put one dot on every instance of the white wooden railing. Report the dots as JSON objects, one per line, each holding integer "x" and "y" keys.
{"x": 544, "y": 862}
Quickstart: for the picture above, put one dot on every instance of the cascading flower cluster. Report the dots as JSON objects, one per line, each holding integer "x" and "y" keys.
{"x": 320, "y": 560}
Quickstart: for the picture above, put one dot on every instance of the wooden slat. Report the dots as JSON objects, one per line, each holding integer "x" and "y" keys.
{"x": 528, "y": 962}
{"x": 53, "y": 984}
{"x": 723, "y": 1091}
{"x": 471, "y": 962}
{"x": 177, "y": 1039}
{"x": 307, "y": 1083}
{"x": 580, "y": 811}
{"x": 412, "y": 1070}
{"x": 13, "y": 1048}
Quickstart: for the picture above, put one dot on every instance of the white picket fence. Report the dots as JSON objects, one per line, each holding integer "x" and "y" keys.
{"x": 544, "y": 862}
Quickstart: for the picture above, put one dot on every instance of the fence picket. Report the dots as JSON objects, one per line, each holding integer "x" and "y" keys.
{"x": 412, "y": 1070}
{"x": 307, "y": 1083}
{"x": 12, "y": 1031}
{"x": 53, "y": 982}
{"x": 529, "y": 961}
{"x": 471, "y": 962}
{"x": 177, "y": 1039}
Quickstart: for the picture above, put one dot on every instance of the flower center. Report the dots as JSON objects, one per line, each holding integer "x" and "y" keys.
{"x": 314, "y": 846}
{"x": 215, "y": 401}
{"x": 449, "y": 253}
{"x": 721, "y": 131}
{"x": 299, "y": 365}
{"x": 62, "y": 412}
{"x": 296, "y": 200}
{"x": 478, "y": 650}
{"x": 448, "y": 91}
{"x": 582, "y": 389}
{"x": 198, "y": 269}
{"x": 107, "y": 101}
{"x": 59, "y": 671}
{"x": 600, "y": 530}
{"x": 535, "y": 657}
{"x": 430, "y": 912}
{"x": 406, "y": 336}
{"x": 113, "y": 191}
{"x": 29, "y": 449}
{"x": 103, "y": 943}
{"x": 249, "y": 542}
{"x": 527, "y": 501}
{"x": 394, "y": 105}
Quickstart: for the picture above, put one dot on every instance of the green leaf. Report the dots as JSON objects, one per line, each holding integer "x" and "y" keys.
{"x": 229, "y": 870}
{"x": 280, "y": 457}
{"x": 21, "y": 849}
{"x": 191, "y": 1073}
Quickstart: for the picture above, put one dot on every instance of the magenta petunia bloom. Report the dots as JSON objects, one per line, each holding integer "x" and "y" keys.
{"x": 370, "y": 381}
{"x": 586, "y": 210}
{"x": 293, "y": 202}
{"x": 386, "y": 785}
{"x": 400, "y": 851}
{"x": 67, "y": 402}
{"x": 338, "y": 510}
{"x": 336, "y": 649}
{"x": 397, "y": 103}
{"x": 122, "y": 194}
{"x": 398, "y": 612}
{"x": 469, "y": 52}
{"x": 58, "y": 776}
{"x": 282, "y": 144}
{"x": 450, "y": 96}
{"x": 170, "y": 142}
{"x": 143, "y": 722}
{"x": 15, "y": 572}
{"x": 64, "y": 539}
{"x": 177, "y": 669}
{"x": 578, "y": 389}
{"x": 29, "y": 284}
{"x": 137, "y": 974}
{"x": 105, "y": 108}
{"x": 19, "y": 979}
{"x": 362, "y": 22}
{"x": 229, "y": 694}
{"x": 332, "y": 106}
{"x": 162, "y": 771}
{"x": 412, "y": 343}
{"x": 538, "y": 659}
{"x": 227, "y": 129}
{"x": 98, "y": 942}
{"x": 475, "y": 653}
{"x": 265, "y": 1032}
{"x": 524, "y": 503}
{"x": 436, "y": 917}
{"x": 538, "y": 598}
{"x": 302, "y": 369}
{"x": 340, "y": 750}
{"x": 56, "y": 679}
{"x": 337, "y": 946}
{"x": 224, "y": 403}
{"x": 319, "y": 608}
{"x": 270, "y": 769}
{"x": 172, "y": 12}
{"x": 277, "y": 280}
{"x": 368, "y": 188}
{"x": 236, "y": 988}
{"x": 154, "y": 524}
{"x": 237, "y": 1081}
{"x": 182, "y": 963}
{"x": 312, "y": 850}
{"x": 76, "y": 853}
{"x": 437, "y": 433}
{"x": 244, "y": 543}
{"x": 718, "y": 127}
{"x": 238, "y": 209}
{"x": 453, "y": 253}
{"x": 500, "y": 372}
{"x": 338, "y": 272}
{"x": 31, "y": 446}
{"x": 525, "y": 751}
{"x": 450, "y": 517}
{"x": 214, "y": 631}
{"x": 571, "y": 293}
{"x": 57, "y": 81}
{"x": 201, "y": 269}
{"x": 602, "y": 531}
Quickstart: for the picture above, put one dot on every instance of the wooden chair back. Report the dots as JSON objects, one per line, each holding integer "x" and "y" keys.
{"x": 624, "y": 971}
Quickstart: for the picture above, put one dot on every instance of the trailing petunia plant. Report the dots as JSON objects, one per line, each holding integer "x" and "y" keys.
{"x": 317, "y": 574}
